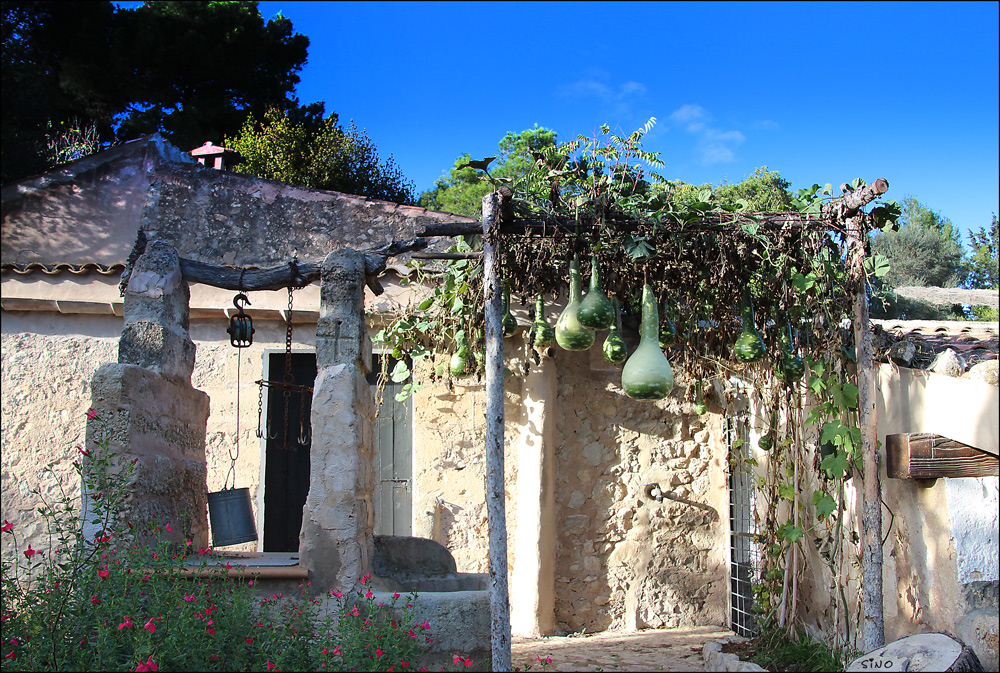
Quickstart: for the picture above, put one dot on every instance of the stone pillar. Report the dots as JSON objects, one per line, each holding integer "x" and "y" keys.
{"x": 338, "y": 520}
{"x": 147, "y": 408}
{"x": 533, "y": 613}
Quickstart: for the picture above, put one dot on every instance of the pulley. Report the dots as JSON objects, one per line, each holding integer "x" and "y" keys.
{"x": 240, "y": 324}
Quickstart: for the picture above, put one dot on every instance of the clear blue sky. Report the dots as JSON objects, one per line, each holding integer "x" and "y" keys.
{"x": 822, "y": 92}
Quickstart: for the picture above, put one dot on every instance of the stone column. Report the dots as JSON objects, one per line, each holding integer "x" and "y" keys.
{"x": 338, "y": 522}
{"x": 147, "y": 408}
{"x": 533, "y": 613}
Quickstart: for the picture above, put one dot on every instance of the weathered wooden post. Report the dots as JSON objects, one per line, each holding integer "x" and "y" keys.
{"x": 871, "y": 518}
{"x": 495, "y": 500}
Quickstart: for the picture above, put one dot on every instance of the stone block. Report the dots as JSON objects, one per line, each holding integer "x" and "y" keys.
{"x": 987, "y": 372}
{"x": 980, "y": 630}
{"x": 156, "y": 291}
{"x": 341, "y": 332}
{"x": 902, "y": 353}
{"x": 157, "y": 347}
{"x": 949, "y": 363}
{"x": 400, "y": 556}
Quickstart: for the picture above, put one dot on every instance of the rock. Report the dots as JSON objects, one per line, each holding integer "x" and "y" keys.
{"x": 979, "y": 629}
{"x": 985, "y": 372}
{"x": 902, "y": 353}
{"x": 949, "y": 363}
{"x": 922, "y": 652}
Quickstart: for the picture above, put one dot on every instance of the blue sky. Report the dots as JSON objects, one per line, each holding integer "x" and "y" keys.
{"x": 822, "y": 92}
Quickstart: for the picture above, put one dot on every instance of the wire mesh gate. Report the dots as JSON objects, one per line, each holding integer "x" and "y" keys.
{"x": 744, "y": 562}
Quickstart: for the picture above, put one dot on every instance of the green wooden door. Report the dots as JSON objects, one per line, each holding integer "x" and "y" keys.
{"x": 393, "y": 457}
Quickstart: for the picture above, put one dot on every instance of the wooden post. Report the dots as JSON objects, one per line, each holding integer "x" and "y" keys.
{"x": 871, "y": 519}
{"x": 495, "y": 500}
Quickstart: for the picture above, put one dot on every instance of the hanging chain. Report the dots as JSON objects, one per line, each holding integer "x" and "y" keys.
{"x": 288, "y": 379}
{"x": 234, "y": 457}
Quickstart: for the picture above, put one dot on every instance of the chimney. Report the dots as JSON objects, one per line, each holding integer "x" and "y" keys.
{"x": 215, "y": 156}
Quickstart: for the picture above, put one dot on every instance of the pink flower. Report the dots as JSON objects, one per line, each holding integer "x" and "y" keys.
{"x": 7, "y": 526}
{"x": 369, "y": 594}
{"x": 10, "y": 655}
{"x": 378, "y": 652}
{"x": 214, "y": 657}
{"x": 168, "y": 527}
{"x": 29, "y": 552}
{"x": 190, "y": 597}
{"x": 211, "y": 632}
{"x": 102, "y": 572}
{"x": 271, "y": 666}
{"x": 127, "y": 624}
{"x": 149, "y": 626}
{"x": 425, "y": 625}
{"x": 365, "y": 578}
{"x": 468, "y": 662}
{"x": 95, "y": 600}
{"x": 456, "y": 658}
{"x": 249, "y": 640}
{"x": 395, "y": 594}
{"x": 83, "y": 450}
{"x": 405, "y": 664}
{"x": 336, "y": 593}
{"x": 91, "y": 414}
{"x": 150, "y": 665}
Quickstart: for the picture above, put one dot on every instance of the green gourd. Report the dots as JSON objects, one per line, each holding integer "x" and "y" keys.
{"x": 596, "y": 311}
{"x": 699, "y": 406}
{"x": 509, "y": 323}
{"x": 668, "y": 331}
{"x": 647, "y": 374}
{"x": 792, "y": 368}
{"x": 766, "y": 442}
{"x": 570, "y": 334}
{"x": 614, "y": 347}
{"x": 750, "y": 344}
{"x": 543, "y": 335}
{"x": 460, "y": 358}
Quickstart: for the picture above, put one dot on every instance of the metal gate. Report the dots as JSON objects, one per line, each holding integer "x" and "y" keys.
{"x": 744, "y": 562}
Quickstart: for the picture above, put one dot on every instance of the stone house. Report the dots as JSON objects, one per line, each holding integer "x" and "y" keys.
{"x": 590, "y": 546}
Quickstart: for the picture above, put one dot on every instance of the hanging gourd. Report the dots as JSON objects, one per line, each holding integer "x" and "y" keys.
{"x": 766, "y": 442}
{"x": 596, "y": 311}
{"x": 668, "y": 331}
{"x": 460, "y": 365}
{"x": 543, "y": 336}
{"x": 647, "y": 374}
{"x": 792, "y": 368}
{"x": 614, "y": 347}
{"x": 570, "y": 334}
{"x": 699, "y": 406}
{"x": 750, "y": 344}
{"x": 509, "y": 323}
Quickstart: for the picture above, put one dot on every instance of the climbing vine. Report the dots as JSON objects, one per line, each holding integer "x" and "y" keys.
{"x": 600, "y": 196}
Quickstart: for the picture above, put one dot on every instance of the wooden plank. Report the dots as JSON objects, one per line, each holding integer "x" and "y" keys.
{"x": 925, "y": 455}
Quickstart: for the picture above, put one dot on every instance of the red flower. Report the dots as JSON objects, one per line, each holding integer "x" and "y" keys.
{"x": 425, "y": 625}
{"x": 214, "y": 657}
{"x": 10, "y": 655}
{"x": 378, "y": 652}
{"x": 271, "y": 666}
{"x": 405, "y": 664}
{"x": 211, "y": 632}
{"x": 127, "y": 624}
{"x": 468, "y": 662}
{"x": 456, "y": 658}
{"x": 102, "y": 572}
{"x": 395, "y": 594}
{"x": 249, "y": 640}
{"x": 149, "y": 626}
{"x": 7, "y": 526}
{"x": 91, "y": 414}
{"x": 29, "y": 552}
{"x": 369, "y": 594}
{"x": 150, "y": 665}
{"x": 168, "y": 527}
{"x": 83, "y": 450}
{"x": 336, "y": 650}
{"x": 95, "y": 600}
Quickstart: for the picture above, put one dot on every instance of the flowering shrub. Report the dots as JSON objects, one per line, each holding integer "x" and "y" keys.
{"x": 111, "y": 603}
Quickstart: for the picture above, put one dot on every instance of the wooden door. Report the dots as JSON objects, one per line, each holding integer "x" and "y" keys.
{"x": 393, "y": 457}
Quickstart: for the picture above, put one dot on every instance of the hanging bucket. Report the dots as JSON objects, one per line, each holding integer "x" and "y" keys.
{"x": 231, "y": 514}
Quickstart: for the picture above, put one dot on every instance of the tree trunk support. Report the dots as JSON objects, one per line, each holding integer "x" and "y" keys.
{"x": 495, "y": 498}
{"x": 873, "y": 630}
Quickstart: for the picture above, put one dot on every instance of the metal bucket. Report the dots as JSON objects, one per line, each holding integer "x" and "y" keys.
{"x": 231, "y": 515}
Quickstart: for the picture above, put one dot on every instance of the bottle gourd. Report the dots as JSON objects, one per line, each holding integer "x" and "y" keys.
{"x": 614, "y": 348}
{"x": 647, "y": 374}
{"x": 792, "y": 368}
{"x": 596, "y": 311}
{"x": 570, "y": 334}
{"x": 509, "y": 323}
{"x": 750, "y": 344}
{"x": 460, "y": 358}
{"x": 543, "y": 335}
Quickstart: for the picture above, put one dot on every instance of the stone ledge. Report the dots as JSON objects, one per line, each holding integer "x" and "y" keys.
{"x": 717, "y": 660}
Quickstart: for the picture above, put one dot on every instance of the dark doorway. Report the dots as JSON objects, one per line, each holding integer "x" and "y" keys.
{"x": 286, "y": 473}
{"x": 393, "y": 455}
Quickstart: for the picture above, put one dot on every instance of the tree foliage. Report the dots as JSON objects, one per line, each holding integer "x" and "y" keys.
{"x": 762, "y": 191}
{"x": 926, "y": 250}
{"x": 462, "y": 189}
{"x": 982, "y": 265}
{"x": 319, "y": 155}
{"x": 190, "y": 70}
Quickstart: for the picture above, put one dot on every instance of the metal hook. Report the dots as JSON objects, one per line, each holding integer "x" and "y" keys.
{"x": 237, "y": 299}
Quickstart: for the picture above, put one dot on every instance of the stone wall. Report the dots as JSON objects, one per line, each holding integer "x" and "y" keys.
{"x": 623, "y": 561}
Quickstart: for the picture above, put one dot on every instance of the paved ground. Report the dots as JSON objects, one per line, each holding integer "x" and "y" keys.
{"x": 653, "y": 650}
